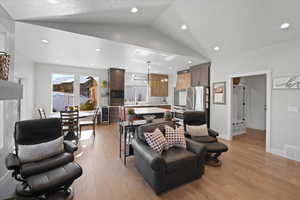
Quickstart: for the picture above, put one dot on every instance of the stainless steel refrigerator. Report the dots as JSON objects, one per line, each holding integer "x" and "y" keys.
{"x": 197, "y": 99}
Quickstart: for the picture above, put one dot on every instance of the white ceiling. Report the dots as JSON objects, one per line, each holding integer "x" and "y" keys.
{"x": 65, "y": 48}
{"x": 236, "y": 26}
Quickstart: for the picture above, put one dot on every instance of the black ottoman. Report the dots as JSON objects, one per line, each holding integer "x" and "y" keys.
{"x": 214, "y": 150}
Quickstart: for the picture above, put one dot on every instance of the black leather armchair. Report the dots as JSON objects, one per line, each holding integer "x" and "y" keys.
{"x": 174, "y": 167}
{"x": 43, "y": 162}
{"x": 214, "y": 148}
{"x": 199, "y": 118}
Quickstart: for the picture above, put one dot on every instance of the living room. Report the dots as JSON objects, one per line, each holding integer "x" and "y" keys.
{"x": 148, "y": 91}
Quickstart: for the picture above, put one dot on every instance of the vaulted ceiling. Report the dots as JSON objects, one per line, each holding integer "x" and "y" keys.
{"x": 235, "y": 26}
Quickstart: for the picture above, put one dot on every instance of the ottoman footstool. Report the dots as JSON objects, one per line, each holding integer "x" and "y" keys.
{"x": 214, "y": 150}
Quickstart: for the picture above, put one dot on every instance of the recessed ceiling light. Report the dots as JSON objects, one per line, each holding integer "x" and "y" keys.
{"x": 190, "y": 62}
{"x": 184, "y": 27}
{"x": 134, "y": 10}
{"x": 285, "y": 25}
{"x": 53, "y": 1}
{"x": 45, "y": 41}
{"x": 98, "y": 49}
{"x": 216, "y": 48}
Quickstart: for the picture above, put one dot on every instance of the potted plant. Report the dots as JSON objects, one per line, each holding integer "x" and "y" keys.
{"x": 131, "y": 114}
{"x": 168, "y": 116}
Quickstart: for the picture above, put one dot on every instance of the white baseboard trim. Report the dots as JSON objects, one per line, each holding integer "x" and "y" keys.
{"x": 277, "y": 152}
{"x": 224, "y": 137}
{"x": 281, "y": 153}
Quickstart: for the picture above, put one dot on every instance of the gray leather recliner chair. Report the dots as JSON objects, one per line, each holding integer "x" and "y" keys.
{"x": 174, "y": 167}
{"x": 43, "y": 162}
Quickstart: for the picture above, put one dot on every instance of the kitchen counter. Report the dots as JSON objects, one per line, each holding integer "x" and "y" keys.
{"x": 145, "y": 105}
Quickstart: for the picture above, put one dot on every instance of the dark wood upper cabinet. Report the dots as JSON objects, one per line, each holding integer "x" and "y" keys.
{"x": 116, "y": 86}
{"x": 200, "y": 75}
{"x": 116, "y": 79}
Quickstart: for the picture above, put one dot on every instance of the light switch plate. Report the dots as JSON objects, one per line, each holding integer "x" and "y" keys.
{"x": 293, "y": 109}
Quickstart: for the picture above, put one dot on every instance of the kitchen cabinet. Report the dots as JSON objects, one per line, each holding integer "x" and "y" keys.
{"x": 116, "y": 85}
{"x": 183, "y": 80}
{"x": 116, "y": 79}
{"x": 200, "y": 75}
{"x": 158, "y": 85}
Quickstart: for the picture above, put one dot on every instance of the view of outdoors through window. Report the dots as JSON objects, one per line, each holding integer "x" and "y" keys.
{"x": 62, "y": 91}
{"x": 88, "y": 92}
{"x": 135, "y": 94}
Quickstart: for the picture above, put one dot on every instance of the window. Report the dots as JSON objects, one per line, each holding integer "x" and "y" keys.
{"x": 88, "y": 92}
{"x": 135, "y": 94}
{"x": 62, "y": 91}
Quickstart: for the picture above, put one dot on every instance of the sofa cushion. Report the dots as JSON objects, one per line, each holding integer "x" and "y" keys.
{"x": 156, "y": 141}
{"x": 175, "y": 137}
{"x": 204, "y": 139}
{"x": 198, "y": 130}
{"x": 33, "y": 168}
{"x": 151, "y": 128}
{"x": 179, "y": 159}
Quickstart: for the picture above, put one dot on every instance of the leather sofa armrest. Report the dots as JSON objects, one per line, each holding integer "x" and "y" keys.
{"x": 150, "y": 156}
{"x": 196, "y": 147}
{"x": 213, "y": 133}
{"x": 70, "y": 147}
{"x": 12, "y": 162}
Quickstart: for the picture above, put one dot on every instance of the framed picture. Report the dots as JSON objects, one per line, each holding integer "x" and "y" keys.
{"x": 219, "y": 93}
{"x": 287, "y": 82}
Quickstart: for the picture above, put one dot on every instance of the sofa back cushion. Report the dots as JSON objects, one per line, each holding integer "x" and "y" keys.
{"x": 149, "y": 128}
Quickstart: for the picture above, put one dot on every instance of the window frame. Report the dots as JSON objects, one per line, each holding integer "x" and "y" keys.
{"x": 51, "y": 87}
{"x": 135, "y": 95}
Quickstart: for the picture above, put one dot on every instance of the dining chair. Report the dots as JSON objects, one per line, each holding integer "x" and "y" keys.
{"x": 70, "y": 124}
{"x": 42, "y": 113}
{"x": 90, "y": 122}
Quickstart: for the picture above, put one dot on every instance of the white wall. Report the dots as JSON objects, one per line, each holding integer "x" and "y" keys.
{"x": 10, "y": 111}
{"x": 24, "y": 69}
{"x": 281, "y": 59}
{"x": 255, "y": 102}
{"x": 43, "y": 79}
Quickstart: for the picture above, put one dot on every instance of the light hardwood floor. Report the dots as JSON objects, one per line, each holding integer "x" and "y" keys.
{"x": 247, "y": 173}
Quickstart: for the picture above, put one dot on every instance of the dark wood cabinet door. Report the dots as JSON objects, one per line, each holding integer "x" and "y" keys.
{"x": 200, "y": 75}
{"x": 117, "y": 78}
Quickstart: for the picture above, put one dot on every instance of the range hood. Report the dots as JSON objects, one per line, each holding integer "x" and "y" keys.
{"x": 10, "y": 90}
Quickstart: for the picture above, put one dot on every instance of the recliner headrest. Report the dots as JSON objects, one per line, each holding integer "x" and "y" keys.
{"x": 194, "y": 118}
{"x": 37, "y": 131}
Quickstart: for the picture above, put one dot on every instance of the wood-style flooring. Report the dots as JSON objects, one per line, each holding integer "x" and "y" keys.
{"x": 247, "y": 173}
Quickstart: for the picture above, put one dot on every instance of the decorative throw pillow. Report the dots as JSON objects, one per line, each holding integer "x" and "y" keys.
{"x": 175, "y": 137}
{"x": 200, "y": 130}
{"x": 37, "y": 152}
{"x": 156, "y": 141}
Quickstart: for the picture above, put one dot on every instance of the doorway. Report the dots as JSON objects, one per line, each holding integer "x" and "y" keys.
{"x": 249, "y": 108}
